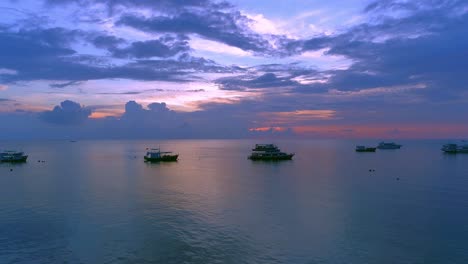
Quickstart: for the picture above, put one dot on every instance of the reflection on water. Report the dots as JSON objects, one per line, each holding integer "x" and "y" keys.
{"x": 98, "y": 202}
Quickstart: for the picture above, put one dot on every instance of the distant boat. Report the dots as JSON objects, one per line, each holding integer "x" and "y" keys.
{"x": 269, "y": 152}
{"x": 154, "y": 155}
{"x": 388, "y": 145}
{"x": 13, "y": 156}
{"x": 454, "y": 148}
{"x": 365, "y": 149}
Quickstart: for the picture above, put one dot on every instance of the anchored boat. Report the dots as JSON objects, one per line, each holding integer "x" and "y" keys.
{"x": 365, "y": 149}
{"x": 269, "y": 152}
{"x": 454, "y": 148}
{"x": 388, "y": 145}
{"x": 154, "y": 155}
{"x": 13, "y": 156}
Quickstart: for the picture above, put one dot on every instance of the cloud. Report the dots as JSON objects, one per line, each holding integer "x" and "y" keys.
{"x": 407, "y": 61}
{"x": 289, "y": 78}
{"x": 228, "y": 27}
{"x": 406, "y": 44}
{"x": 65, "y": 84}
{"x": 166, "y": 46}
{"x": 158, "y": 5}
{"x": 267, "y": 80}
{"x": 68, "y": 113}
{"x": 250, "y": 118}
{"x": 45, "y": 54}
{"x": 107, "y": 42}
{"x": 7, "y": 72}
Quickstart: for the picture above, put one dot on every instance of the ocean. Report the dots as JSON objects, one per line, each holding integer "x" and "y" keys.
{"x": 98, "y": 202}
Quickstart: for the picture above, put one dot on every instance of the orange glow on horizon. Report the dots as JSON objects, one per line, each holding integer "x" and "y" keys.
{"x": 264, "y": 129}
{"x": 106, "y": 113}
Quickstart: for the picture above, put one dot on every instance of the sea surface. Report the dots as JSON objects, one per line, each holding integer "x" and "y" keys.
{"x": 98, "y": 202}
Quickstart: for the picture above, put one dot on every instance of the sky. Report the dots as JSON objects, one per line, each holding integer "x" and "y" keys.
{"x": 233, "y": 69}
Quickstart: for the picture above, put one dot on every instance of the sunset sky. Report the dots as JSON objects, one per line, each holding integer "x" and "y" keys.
{"x": 235, "y": 69}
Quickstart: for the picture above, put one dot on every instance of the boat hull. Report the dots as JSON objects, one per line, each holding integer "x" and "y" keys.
{"x": 455, "y": 151}
{"x": 272, "y": 158}
{"x": 366, "y": 150}
{"x": 162, "y": 158}
{"x": 388, "y": 147}
{"x": 14, "y": 159}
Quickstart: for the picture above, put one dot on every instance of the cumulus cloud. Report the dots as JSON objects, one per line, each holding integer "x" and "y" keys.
{"x": 67, "y": 113}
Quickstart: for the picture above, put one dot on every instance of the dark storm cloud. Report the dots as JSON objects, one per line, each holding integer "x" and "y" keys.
{"x": 67, "y": 113}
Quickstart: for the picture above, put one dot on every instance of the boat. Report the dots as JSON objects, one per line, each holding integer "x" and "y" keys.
{"x": 265, "y": 147}
{"x": 269, "y": 152}
{"x": 13, "y": 156}
{"x": 454, "y": 148}
{"x": 388, "y": 145}
{"x": 155, "y": 155}
{"x": 365, "y": 149}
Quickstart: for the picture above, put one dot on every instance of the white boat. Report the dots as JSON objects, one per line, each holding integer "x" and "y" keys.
{"x": 13, "y": 156}
{"x": 454, "y": 148}
{"x": 388, "y": 145}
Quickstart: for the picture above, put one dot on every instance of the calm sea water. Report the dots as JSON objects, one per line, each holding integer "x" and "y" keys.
{"x": 98, "y": 202}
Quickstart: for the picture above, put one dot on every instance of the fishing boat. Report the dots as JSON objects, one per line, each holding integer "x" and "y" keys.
{"x": 269, "y": 152}
{"x": 365, "y": 149}
{"x": 388, "y": 145}
{"x": 13, "y": 156}
{"x": 155, "y": 155}
{"x": 454, "y": 148}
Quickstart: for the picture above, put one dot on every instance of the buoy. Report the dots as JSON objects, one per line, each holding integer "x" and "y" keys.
{"x": 397, "y": 179}
{"x": 11, "y": 169}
